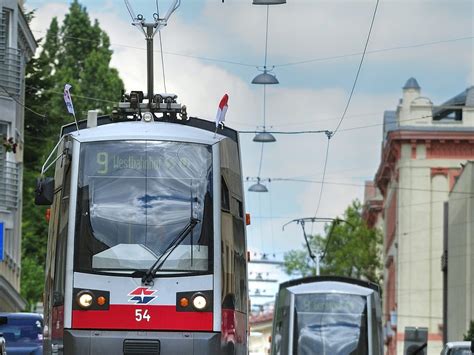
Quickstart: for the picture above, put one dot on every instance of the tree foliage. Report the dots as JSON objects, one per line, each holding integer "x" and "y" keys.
{"x": 78, "y": 53}
{"x": 470, "y": 332}
{"x": 352, "y": 249}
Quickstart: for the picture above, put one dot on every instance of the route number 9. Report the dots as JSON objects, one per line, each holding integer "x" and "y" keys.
{"x": 103, "y": 161}
{"x": 141, "y": 314}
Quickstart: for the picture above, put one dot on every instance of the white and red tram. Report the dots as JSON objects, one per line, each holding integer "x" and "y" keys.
{"x": 146, "y": 247}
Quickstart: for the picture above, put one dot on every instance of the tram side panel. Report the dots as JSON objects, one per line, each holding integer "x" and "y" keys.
{"x": 234, "y": 252}
{"x": 54, "y": 296}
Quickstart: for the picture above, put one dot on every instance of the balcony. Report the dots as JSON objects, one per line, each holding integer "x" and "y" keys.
{"x": 9, "y": 177}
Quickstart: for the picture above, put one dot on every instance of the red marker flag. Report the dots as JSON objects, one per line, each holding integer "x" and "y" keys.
{"x": 221, "y": 110}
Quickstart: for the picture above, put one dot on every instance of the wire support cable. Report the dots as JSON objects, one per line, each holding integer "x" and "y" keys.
{"x": 266, "y": 39}
{"x": 325, "y": 131}
{"x": 359, "y": 68}
{"x": 326, "y": 156}
{"x": 261, "y": 160}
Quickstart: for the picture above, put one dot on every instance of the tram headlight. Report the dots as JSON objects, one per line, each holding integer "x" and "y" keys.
{"x": 199, "y": 302}
{"x": 85, "y": 299}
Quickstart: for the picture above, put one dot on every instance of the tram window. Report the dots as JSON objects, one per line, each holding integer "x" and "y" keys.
{"x": 331, "y": 323}
{"x": 135, "y": 198}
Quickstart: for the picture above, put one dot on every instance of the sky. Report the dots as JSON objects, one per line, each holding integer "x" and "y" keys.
{"x": 211, "y": 48}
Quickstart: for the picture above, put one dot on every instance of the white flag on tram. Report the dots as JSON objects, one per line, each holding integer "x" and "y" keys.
{"x": 68, "y": 99}
{"x": 222, "y": 110}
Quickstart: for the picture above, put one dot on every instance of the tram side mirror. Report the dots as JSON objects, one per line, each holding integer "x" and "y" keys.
{"x": 44, "y": 191}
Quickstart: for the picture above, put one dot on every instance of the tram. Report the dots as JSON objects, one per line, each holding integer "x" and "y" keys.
{"x": 327, "y": 315}
{"x": 147, "y": 242}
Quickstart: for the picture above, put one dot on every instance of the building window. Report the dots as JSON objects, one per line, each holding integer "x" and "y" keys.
{"x": 10, "y": 242}
{"x": 6, "y": 33}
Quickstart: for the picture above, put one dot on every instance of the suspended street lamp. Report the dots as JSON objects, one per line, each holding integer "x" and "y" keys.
{"x": 265, "y": 78}
{"x": 264, "y": 137}
{"x": 258, "y": 187}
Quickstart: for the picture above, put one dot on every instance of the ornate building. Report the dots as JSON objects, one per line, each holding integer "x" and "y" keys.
{"x": 17, "y": 46}
{"x": 422, "y": 152}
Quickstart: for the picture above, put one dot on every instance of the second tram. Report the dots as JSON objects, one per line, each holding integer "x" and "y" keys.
{"x": 327, "y": 316}
{"x": 146, "y": 248}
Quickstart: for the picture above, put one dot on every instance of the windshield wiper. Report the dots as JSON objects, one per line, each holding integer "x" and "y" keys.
{"x": 147, "y": 279}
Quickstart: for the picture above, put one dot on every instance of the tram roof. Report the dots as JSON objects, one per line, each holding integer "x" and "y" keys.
{"x": 192, "y": 122}
{"x": 340, "y": 279}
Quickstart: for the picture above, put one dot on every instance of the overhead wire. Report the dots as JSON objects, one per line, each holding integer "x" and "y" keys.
{"x": 161, "y": 49}
{"x": 374, "y": 51}
{"x": 321, "y": 59}
{"x": 326, "y": 156}
{"x": 20, "y": 103}
{"x": 210, "y": 59}
{"x": 72, "y": 95}
{"x": 359, "y": 68}
{"x": 331, "y": 134}
{"x": 261, "y": 160}
{"x": 264, "y": 93}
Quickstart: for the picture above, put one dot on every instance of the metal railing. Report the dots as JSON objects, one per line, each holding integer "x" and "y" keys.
{"x": 10, "y": 70}
{"x": 10, "y": 62}
{"x": 9, "y": 178}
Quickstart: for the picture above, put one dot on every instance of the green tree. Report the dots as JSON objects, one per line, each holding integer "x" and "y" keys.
{"x": 78, "y": 53}
{"x": 470, "y": 332}
{"x": 352, "y": 249}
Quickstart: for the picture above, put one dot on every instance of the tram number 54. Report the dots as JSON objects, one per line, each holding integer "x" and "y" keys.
{"x": 142, "y": 314}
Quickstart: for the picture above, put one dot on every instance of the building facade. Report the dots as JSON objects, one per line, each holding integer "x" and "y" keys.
{"x": 261, "y": 323}
{"x": 460, "y": 256}
{"x": 17, "y": 46}
{"x": 422, "y": 151}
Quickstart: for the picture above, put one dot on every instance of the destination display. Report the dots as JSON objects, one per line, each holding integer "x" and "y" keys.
{"x": 111, "y": 161}
{"x": 330, "y": 303}
{"x": 158, "y": 159}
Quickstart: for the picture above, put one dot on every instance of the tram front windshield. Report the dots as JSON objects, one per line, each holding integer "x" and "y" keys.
{"x": 331, "y": 323}
{"x": 135, "y": 198}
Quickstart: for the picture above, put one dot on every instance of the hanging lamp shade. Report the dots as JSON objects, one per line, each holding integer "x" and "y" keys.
{"x": 258, "y": 187}
{"x": 264, "y": 137}
{"x": 265, "y": 79}
{"x": 269, "y": 2}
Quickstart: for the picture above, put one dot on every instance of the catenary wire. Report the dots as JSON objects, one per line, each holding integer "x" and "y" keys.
{"x": 374, "y": 51}
{"x": 225, "y": 61}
